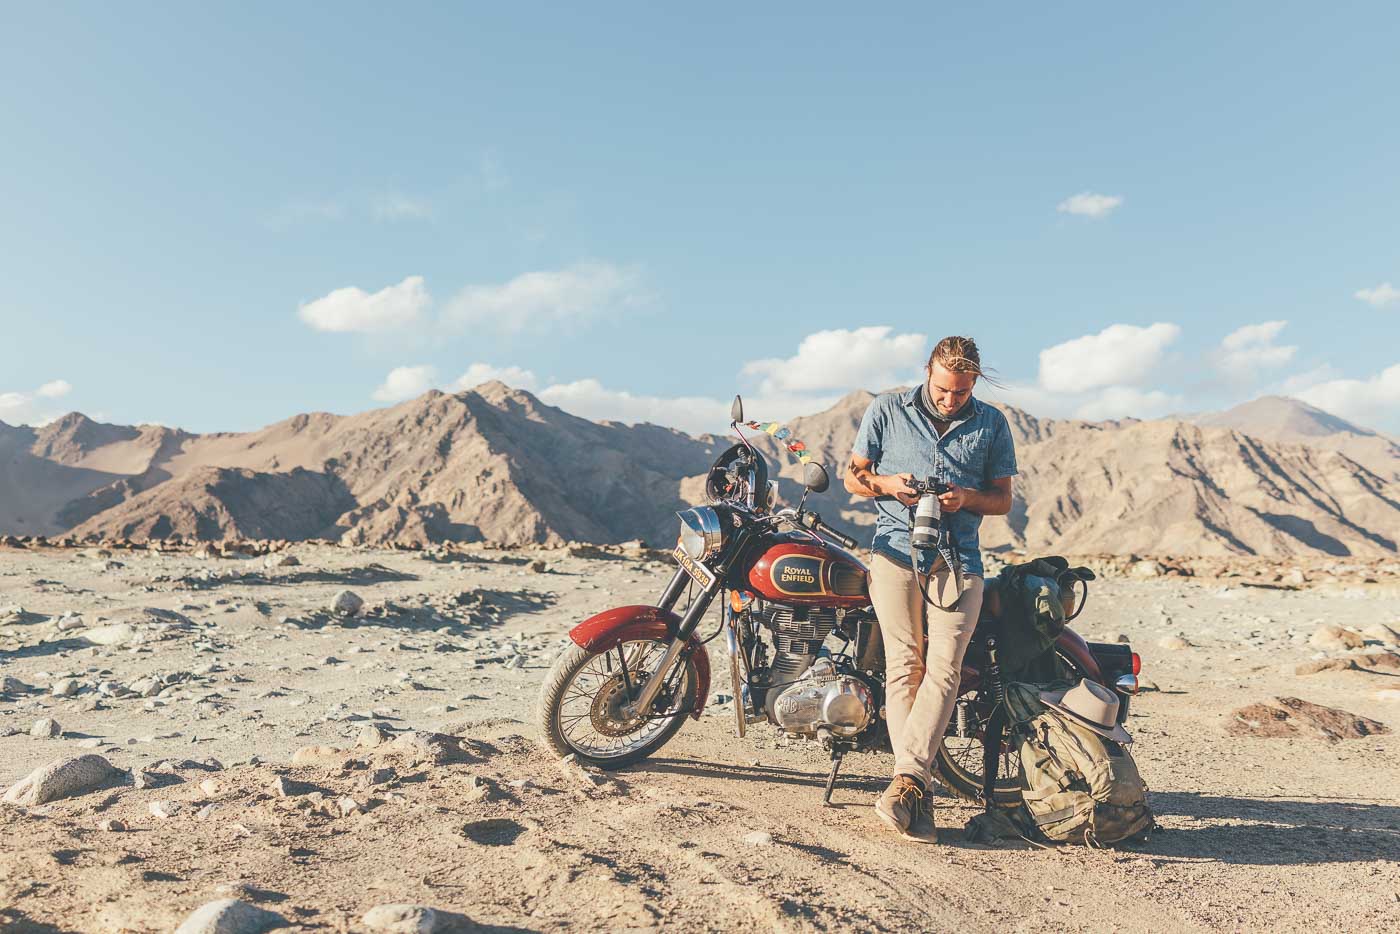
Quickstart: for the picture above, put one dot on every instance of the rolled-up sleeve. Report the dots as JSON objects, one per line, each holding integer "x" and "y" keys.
{"x": 1001, "y": 457}
{"x": 869, "y": 442}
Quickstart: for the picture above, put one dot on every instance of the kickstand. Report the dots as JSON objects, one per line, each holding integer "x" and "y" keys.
{"x": 836, "y": 756}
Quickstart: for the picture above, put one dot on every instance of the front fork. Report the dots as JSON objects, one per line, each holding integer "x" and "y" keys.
{"x": 693, "y": 614}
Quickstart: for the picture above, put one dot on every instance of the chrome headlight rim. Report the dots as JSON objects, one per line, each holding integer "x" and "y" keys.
{"x": 702, "y": 532}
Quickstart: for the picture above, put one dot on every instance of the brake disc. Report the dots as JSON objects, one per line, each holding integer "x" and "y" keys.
{"x": 607, "y": 713}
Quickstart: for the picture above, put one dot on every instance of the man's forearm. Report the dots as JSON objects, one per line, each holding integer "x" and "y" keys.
{"x": 988, "y": 502}
{"x": 862, "y": 481}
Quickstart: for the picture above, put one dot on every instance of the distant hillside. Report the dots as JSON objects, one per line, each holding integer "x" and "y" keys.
{"x": 495, "y": 463}
{"x": 1292, "y": 421}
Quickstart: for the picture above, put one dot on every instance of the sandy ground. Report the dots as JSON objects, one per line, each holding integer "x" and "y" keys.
{"x": 1258, "y": 834}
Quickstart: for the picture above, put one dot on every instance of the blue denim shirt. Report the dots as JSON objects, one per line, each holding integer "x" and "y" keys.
{"x": 899, "y": 438}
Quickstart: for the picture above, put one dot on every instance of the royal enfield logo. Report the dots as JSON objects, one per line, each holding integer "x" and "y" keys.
{"x": 798, "y": 575}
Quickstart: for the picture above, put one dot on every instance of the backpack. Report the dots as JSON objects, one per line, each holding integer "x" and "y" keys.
{"x": 1077, "y": 786}
{"x": 1033, "y": 598}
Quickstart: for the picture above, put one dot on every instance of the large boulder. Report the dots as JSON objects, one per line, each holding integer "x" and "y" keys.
{"x": 1290, "y": 717}
{"x": 63, "y": 778}
{"x": 230, "y": 916}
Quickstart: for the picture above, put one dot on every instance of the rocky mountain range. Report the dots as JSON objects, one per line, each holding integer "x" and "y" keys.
{"x": 493, "y": 463}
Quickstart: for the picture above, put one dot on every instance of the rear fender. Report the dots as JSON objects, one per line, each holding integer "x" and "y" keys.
{"x": 1070, "y": 643}
{"x": 603, "y": 633}
{"x": 1073, "y": 645}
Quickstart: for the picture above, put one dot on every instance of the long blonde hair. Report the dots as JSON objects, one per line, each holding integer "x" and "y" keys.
{"x": 959, "y": 355}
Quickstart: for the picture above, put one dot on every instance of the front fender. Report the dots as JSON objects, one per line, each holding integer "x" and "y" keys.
{"x": 604, "y": 631}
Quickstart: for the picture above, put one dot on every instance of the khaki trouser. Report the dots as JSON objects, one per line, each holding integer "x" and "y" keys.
{"x": 921, "y": 672}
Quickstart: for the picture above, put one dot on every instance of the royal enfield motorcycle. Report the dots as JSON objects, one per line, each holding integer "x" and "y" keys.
{"x": 804, "y": 650}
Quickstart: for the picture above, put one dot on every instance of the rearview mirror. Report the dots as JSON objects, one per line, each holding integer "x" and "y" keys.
{"x": 814, "y": 477}
{"x": 736, "y": 410}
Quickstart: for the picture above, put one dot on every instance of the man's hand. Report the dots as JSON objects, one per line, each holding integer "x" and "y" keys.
{"x": 897, "y": 485}
{"x": 955, "y": 499}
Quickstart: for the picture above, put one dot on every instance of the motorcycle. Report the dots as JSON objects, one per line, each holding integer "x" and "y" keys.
{"x": 803, "y": 641}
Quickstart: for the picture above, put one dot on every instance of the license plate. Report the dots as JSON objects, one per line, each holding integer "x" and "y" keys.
{"x": 702, "y": 575}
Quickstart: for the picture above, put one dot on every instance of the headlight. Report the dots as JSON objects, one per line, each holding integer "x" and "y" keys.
{"x": 702, "y": 534}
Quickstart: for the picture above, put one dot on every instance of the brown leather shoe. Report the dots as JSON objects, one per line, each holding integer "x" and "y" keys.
{"x": 922, "y": 827}
{"x": 899, "y": 803}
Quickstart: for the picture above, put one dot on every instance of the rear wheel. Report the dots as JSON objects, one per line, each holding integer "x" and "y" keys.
{"x": 958, "y": 763}
{"x": 582, "y": 707}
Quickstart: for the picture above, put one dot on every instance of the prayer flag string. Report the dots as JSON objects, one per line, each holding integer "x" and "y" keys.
{"x": 781, "y": 434}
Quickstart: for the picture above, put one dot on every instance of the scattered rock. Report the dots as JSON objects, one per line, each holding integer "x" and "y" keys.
{"x": 1335, "y": 637}
{"x": 63, "y": 778}
{"x": 1325, "y": 664}
{"x": 1121, "y": 637}
{"x": 347, "y": 603}
{"x": 1146, "y": 569}
{"x": 1294, "y": 578}
{"x": 210, "y": 787}
{"x": 318, "y": 755}
{"x": 281, "y": 561}
{"x": 111, "y": 826}
{"x": 115, "y": 634}
{"x": 1386, "y": 661}
{"x": 1292, "y": 717}
{"x": 758, "y": 838}
{"x": 164, "y": 809}
{"x": 1173, "y": 643}
{"x": 65, "y": 687}
{"x": 11, "y": 686}
{"x": 1382, "y": 633}
{"x": 401, "y": 919}
{"x": 417, "y": 748}
{"x": 371, "y": 735}
{"x": 46, "y": 728}
{"x": 539, "y": 566}
{"x": 230, "y": 916}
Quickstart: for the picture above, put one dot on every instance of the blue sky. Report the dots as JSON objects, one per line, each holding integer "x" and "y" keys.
{"x": 216, "y": 217}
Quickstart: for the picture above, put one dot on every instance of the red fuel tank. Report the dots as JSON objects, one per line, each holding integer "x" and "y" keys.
{"x": 808, "y": 574}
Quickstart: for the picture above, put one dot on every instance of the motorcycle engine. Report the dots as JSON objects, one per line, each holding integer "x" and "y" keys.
{"x": 798, "y": 634}
{"x": 823, "y": 697}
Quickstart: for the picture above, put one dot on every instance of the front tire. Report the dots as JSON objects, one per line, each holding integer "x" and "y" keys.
{"x": 579, "y": 707}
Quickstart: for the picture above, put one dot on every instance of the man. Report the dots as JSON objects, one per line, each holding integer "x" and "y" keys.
{"x": 934, "y": 430}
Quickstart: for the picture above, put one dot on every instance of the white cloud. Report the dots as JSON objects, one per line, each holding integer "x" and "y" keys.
{"x": 590, "y": 399}
{"x": 869, "y": 357}
{"x": 1090, "y": 204}
{"x": 1252, "y": 347}
{"x": 479, "y": 373}
{"x": 1128, "y": 402}
{"x": 1120, "y": 354}
{"x": 546, "y": 299}
{"x": 21, "y": 407}
{"x": 405, "y": 382}
{"x": 354, "y": 310}
{"x": 1370, "y": 402}
{"x": 1381, "y": 296}
{"x": 395, "y": 206}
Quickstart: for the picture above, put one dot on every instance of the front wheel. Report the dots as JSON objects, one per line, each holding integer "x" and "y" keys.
{"x": 583, "y": 700}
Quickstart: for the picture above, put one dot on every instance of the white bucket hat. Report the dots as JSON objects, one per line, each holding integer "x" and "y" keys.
{"x": 1091, "y": 704}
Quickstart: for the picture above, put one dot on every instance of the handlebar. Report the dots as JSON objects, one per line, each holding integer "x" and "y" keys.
{"x": 813, "y": 521}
